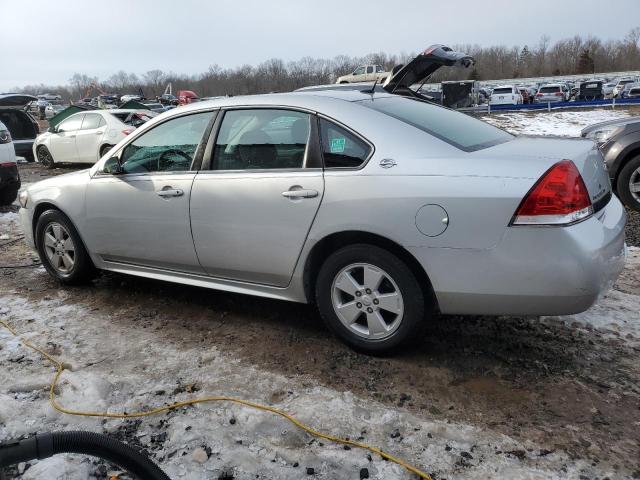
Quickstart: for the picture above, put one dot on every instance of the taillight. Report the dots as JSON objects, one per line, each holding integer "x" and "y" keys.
{"x": 559, "y": 197}
{"x": 127, "y": 131}
{"x": 559, "y": 94}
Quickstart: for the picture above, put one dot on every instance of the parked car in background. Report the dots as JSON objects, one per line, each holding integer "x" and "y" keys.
{"x": 526, "y": 97}
{"x": 49, "y": 97}
{"x": 52, "y": 110}
{"x": 365, "y": 73}
{"x": 168, "y": 99}
{"x": 624, "y": 93}
{"x": 550, "y": 93}
{"x": 607, "y": 90}
{"x": 617, "y": 92}
{"x": 187, "y": 96}
{"x": 505, "y": 95}
{"x": 21, "y": 125}
{"x": 129, "y": 97}
{"x": 634, "y": 91}
{"x": 9, "y": 175}
{"x": 592, "y": 90}
{"x": 86, "y": 136}
{"x": 619, "y": 142}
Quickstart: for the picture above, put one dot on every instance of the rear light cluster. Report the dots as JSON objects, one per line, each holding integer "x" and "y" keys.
{"x": 128, "y": 131}
{"x": 559, "y": 94}
{"x": 559, "y": 197}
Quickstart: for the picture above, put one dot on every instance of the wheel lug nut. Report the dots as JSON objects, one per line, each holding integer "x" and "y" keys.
{"x": 376, "y": 301}
{"x": 359, "y": 305}
{"x": 370, "y": 310}
{"x": 368, "y": 290}
{"x": 358, "y": 294}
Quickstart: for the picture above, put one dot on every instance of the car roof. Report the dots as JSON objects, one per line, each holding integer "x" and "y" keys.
{"x": 503, "y": 86}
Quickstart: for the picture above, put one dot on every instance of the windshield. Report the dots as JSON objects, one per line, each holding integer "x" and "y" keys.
{"x": 457, "y": 129}
{"x": 503, "y": 90}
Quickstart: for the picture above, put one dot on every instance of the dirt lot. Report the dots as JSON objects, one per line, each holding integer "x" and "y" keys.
{"x": 557, "y": 397}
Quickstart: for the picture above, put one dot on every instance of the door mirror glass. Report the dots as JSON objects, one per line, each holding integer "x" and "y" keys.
{"x": 112, "y": 166}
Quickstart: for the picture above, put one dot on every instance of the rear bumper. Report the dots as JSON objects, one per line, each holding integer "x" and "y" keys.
{"x": 24, "y": 148}
{"x": 549, "y": 99}
{"x": 532, "y": 270}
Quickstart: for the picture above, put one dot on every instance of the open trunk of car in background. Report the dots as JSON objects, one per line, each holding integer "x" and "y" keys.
{"x": 423, "y": 66}
{"x": 22, "y": 126}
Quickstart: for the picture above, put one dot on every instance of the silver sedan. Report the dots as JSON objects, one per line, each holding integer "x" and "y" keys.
{"x": 381, "y": 209}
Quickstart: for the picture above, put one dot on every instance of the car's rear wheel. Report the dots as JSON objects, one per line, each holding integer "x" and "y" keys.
{"x": 370, "y": 298}
{"x": 61, "y": 250}
{"x": 628, "y": 184}
{"x": 8, "y": 195}
{"x": 44, "y": 157}
{"x": 104, "y": 149}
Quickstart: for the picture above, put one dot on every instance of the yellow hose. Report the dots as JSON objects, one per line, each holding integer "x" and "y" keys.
{"x": 145, "y": 413}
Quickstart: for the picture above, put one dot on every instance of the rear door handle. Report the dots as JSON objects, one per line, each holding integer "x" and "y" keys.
{"x": 300, "y": 193}
{"x": 170, "y": 192}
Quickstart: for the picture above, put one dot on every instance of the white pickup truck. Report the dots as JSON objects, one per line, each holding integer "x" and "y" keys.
{"x": 365, "y": 73}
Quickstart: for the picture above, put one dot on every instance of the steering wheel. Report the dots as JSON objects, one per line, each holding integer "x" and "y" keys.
{"x": 163, "y": 162}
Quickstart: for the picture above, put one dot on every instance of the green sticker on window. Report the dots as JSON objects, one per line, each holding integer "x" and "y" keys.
{"x": 337, "y": 145}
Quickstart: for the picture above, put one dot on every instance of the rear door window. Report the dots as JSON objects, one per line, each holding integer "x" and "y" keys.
{"x": 92, "y": 121}
{"x": 341, "y": 148}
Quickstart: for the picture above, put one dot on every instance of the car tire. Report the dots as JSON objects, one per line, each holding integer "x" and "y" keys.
{"x": 8, "y": 195}
{"x": 44, "y": 157}
{"x": 629, "y": 174}
{"x": 104, "y": 149}
{"x": 365, "y": 325}
{"x": 61, "y": 250}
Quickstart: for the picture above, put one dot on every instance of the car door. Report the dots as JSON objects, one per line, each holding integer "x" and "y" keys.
{"x": 62, "y": 142}
{"x": 254, "y": 201}
{"x": 358, "y": 74}
{"x": 89, "y": 137}
{"x": 140, "y": 214}
{"x": 370, "y": 75}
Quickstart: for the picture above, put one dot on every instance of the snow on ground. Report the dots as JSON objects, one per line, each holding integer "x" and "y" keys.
{"x": 132, "y": 371}
{"x": 561, "y": 123}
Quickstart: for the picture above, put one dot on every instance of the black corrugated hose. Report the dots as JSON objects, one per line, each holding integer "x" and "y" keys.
{"x": 45, "y": 445}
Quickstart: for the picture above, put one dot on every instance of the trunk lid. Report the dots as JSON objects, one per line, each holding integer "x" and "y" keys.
{"x": 546, "y": 152}
{"x": 424, "y": 65}
{"x": 16, "y": 100}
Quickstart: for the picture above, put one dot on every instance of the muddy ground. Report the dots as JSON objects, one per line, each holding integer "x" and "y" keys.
{"x": 568, "y": 387}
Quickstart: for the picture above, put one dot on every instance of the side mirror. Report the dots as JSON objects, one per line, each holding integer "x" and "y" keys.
{"x": 53, "y": 129}
{"x": 112, "y": 166}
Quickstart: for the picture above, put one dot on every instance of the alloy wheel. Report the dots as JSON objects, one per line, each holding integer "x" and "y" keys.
{"x": 59, "y": 248}
{"x": 634, "y": 184}
{"x": 367, "y": 301}
{"x": 44, "y": 157}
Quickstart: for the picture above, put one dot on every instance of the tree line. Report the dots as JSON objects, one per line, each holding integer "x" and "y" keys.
{"x": 575, "y": 55}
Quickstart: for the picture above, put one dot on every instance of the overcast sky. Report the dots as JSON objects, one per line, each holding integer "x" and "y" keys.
{"x": 47, "y": 41}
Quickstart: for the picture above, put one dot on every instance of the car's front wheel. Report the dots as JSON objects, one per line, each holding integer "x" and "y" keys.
{"x": 628, "y": 184}
{"x": 61, "y": 250}
{"x": 44, "y": 157}
{"x": 370, "y": 298}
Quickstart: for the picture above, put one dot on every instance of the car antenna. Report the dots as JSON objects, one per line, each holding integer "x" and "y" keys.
{"x": 373, "y": 89}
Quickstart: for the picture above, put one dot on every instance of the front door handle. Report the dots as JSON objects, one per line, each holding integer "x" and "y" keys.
{"x": 300, "y": 193}
{"x": 167, "y": 192}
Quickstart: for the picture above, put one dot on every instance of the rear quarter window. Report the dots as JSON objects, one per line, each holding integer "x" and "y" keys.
{"x": 455, "y": 128}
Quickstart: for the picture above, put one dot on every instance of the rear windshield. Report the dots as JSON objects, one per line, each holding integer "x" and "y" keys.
{"x": 549, "y": 89}
{"x": 455, "y": 128}
{"x": 502, "y": 90}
